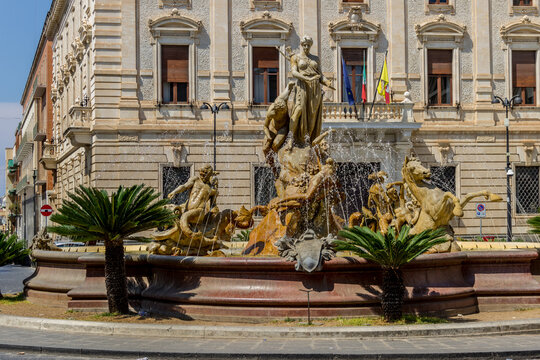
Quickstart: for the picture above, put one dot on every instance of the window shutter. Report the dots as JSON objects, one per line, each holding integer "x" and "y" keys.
{"x": 175, "y": 64}
{"x": 353, "y": 57}
{"x": 440, "y": 62}
{"x": 523, "y": 69}
{"x": 265, "y": 57}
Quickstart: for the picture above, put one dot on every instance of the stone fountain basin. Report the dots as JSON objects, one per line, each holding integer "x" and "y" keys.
{"x": 254, "y": 289}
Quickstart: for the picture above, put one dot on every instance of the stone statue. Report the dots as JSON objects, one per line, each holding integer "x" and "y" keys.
{"x": 437, "y": 207}
{"x": 306, "y": 116}
{"x": 43, "y": 241}
{"x": 200, "y": 227}
{"x": 418, "y": 203}
{"x": 276, "y": 125}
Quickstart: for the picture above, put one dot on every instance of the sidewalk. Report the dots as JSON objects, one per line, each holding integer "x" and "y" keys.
{"x": 507, "y": 339}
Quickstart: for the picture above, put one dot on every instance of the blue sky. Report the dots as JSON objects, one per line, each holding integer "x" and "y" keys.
{"x": 20, "y": 25}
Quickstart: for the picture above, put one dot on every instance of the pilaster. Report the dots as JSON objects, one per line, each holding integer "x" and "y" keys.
{"x": 483, "y": 73}
{"x": 397, "y": 53}
{"x": 310, "y": 23}
{"x": 220, "y": 49}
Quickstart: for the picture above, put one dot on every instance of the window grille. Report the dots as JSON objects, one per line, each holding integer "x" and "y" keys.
{"x": 355, "y": 184}
{"x": 172, "y": 177}
{"x": 265, "y": 189}
{"x": 527, "y": 189}
{"x": 444, "y": 177}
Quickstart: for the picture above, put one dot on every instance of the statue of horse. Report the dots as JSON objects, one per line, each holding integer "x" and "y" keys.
{"x": 437, "y": 207}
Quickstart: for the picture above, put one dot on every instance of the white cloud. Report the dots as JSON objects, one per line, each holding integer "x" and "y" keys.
{"x": 10, "y": 116}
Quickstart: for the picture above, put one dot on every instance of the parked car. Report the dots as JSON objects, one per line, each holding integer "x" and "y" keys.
{"x": 68, "y": 244}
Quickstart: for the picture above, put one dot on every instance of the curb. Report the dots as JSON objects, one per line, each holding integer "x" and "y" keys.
{"x": 530, "y": 326}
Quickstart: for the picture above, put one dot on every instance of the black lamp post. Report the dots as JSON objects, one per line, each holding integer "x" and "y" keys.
{"x": 516, "y": 100}
{"x": 215, "y": 109}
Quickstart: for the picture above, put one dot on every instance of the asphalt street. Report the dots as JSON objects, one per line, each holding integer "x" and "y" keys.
{"x": 12, "y": 276}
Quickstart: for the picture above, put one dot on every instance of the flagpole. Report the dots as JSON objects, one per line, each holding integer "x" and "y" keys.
{"x": 376, "y": 87}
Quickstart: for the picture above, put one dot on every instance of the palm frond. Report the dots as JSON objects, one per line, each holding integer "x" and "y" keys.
{"x": 390, "y": 250}
{"x": 11, "y": 249}
{"x": 90, "y": 214}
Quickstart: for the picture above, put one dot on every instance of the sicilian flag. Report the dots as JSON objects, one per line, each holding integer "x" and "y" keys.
{"x": 347, "y": 82}
{"x": 384, "y": 83}
{"x": 364, "y": 83}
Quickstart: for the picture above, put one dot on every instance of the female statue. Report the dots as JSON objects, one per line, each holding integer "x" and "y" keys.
{"x": 306, "y": 119}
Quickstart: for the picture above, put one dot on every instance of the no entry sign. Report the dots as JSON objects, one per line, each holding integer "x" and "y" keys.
{"x": 46, "y": 210}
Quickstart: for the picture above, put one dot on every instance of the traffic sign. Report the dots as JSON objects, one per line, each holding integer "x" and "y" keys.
{"x": 46, "y": 210}
{"x": 481, "y": 210}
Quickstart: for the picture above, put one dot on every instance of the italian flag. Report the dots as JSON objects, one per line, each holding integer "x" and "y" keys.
{"x": 364, "y": 91}
{"x": 384, "y": 83}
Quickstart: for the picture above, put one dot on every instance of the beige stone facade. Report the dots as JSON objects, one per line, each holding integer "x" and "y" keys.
{"x": 112, "y": 126}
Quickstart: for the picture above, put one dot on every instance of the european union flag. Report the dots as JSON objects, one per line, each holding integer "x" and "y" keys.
{"x": 347, "y": 82}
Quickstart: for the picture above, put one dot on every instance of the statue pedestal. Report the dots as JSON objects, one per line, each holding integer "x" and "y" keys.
{"x": 264, "y": 236}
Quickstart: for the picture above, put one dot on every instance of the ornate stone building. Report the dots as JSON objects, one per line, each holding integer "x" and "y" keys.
{"x": 130, "y": 76}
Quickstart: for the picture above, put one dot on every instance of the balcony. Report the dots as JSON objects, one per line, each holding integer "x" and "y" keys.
{"x": 22, "y": 184}
{"x": 12, "y": 167}
{"x": 78, "y": 129}
{"x": 48, "y": 157}
{"x": 393, "y": 117}
{"x": 24, "y": 149}
{"x": 38, "y": 132}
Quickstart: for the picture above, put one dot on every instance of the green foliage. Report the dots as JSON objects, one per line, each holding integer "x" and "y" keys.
{"x": 91, "y": 214}
{"x": 535, "y": 224}
{"x": 11, "y": 249}
{"x": 242, "y": 236}
{"x": 390, "y": 250}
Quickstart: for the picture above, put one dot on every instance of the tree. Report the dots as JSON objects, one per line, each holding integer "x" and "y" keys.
{"x": 11, "y": 250}
{"x": 535, "y": 224}
{"x": 390, "y": 251}
{"x": 90, "y": 215}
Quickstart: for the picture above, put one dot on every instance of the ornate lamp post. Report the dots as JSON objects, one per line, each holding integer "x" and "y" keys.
{"x": 516, "y": 100}
{"x": 215, "y": 109}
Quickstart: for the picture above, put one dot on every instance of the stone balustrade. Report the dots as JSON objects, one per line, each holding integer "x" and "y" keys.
{"x": 381, "y": 112}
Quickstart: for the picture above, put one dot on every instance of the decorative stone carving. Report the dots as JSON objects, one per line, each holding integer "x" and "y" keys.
{"x": 445, "y": 151}
{"x": 523, "y": 30}
{"x": 178, "y": 3}
{"x": 54, "y": 93}
{"x": 71, "y": 62}
{"x": 265, "y": 26}
{"x": 85, "y": 31}
{"x": 64, "y": 70}
{"x": 308, "y": 251}
{"x": 353, "y": 26}
{"x": 48, "y": 159}
{"x": 175, "y": 24}
{"x": 440, "y": 29}
{"x": 78, "y": 49}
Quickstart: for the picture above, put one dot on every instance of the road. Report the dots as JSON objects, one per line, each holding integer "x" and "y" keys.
{"x": 12, "y": 276}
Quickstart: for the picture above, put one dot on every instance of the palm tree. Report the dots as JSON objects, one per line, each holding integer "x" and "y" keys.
{"x": 391, "y": 251}
{"x": 11, "y": 250}
{"x": 535, "y": 224}
{"x": 90, "y": 215}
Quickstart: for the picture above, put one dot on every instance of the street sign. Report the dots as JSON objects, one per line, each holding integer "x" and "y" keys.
{"x": 46, "y": 210}
{"x": 481, "y": 210}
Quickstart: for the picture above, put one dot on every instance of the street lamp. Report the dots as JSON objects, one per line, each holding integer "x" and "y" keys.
{"x": 516, "y": 100}
{"x": 215, "y": 109}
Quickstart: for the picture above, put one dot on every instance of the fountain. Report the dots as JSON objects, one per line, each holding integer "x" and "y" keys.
{"x": 190, "y": 272}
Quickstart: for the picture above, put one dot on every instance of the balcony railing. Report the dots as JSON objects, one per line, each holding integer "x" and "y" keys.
{"x": 381, "y": 112}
